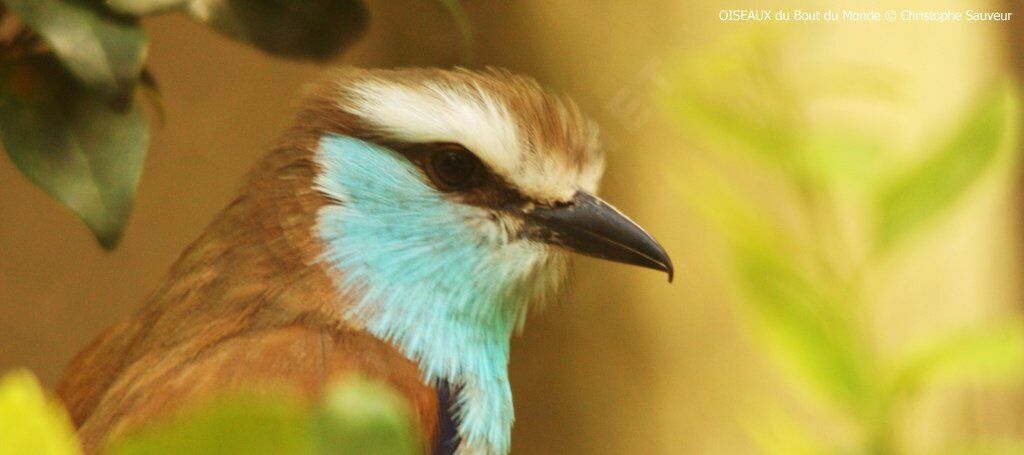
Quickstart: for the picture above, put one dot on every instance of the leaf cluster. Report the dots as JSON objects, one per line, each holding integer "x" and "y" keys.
{"x": 71, "y": 70}
{"x": 805, "y": 271}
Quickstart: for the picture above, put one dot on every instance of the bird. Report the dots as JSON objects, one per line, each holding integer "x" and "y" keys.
{"x": 399, "y": 230}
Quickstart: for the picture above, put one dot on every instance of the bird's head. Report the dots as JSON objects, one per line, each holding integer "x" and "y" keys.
{"x": 461, "y": 192}
{"x": 442, "y": 204}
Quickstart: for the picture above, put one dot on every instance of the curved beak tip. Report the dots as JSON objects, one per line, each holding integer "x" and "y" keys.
{"x": 664, "y": 263}
{"x": 591, "y": 227}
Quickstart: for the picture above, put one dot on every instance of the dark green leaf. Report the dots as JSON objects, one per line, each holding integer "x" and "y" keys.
{"x": 315, "y": 29}
{"x": 909, "y": 201}
{"x": 29, "y": 422}
{"x": 151, "y": 91}
{"x": 145, "y": 7}
{"x": 103, "y": 50}
{"x": 73, "y": 143}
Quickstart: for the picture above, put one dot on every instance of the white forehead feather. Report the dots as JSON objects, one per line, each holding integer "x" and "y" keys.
{"x": 468, "y": 114}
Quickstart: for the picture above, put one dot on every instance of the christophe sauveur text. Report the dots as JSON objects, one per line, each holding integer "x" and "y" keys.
{"x": 846, "y": 15}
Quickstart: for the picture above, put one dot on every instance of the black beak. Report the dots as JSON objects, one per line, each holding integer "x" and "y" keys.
{"x": 590, "y": 226}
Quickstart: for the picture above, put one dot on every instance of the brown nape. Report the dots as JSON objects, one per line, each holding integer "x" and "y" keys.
{"x": 247, "y": 305}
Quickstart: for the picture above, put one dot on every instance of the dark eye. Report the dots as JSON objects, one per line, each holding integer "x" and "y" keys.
{"x": 453, "y": 168}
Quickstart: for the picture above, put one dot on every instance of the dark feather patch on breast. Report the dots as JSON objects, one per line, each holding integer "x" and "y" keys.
{"x": 447, "y": 427}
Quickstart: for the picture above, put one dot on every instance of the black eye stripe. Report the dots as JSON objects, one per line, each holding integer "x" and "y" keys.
{"x": 484, "y": 189}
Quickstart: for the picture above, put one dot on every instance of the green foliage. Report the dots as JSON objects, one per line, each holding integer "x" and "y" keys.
{"x": 314, "y": 29}
{"x": 105, "y": 52}
{"x": 75, "y": 129}
{"x": 240, "y": 423}
{"x": 29, "y": 422}
{"x": 802, "y": 325}
{"x": 989, "y": 353}
{"x": 801, "y": 276}
{"x": 923, "y": 192}
{"x": 72, "y": 142}
{"x": 777, "y": 432}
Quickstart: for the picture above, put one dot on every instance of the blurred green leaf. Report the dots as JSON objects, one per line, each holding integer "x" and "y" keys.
{"x": 729, "y": 104}
{"x": 145, "y": 7}
{"x": 776, "y": 432}
{"x": 989, "y": 353}
{"x": 718, "y": 201}
{"x": 806, "y": 328}
{"x": 800, "y": 323}
{"x": 355, "y": 417}
{"x": 72, "y": 143}
{"x": 857, "y": 81}
{"x": 31, "y": 424}
{"x": 314, "y": 29}
{"x": 365, "y": 418}
{"x": 103, "y": 50}
{"x": 910, "y": 200}
{"x": 843, "y": 155}
{"x": 458, "y": 14}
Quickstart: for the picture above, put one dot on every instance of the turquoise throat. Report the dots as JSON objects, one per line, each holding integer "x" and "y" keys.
{"x": 433, "y": 276}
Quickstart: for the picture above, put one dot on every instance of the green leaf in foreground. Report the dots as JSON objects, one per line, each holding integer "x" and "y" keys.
{"x": 918, "y": 196}
{"x": 103, "y": 50}
{"x": 239, "y": 423}
{"x": 315, "y": 29}
{"x": 73, "y": 143}
{"x": 355, "y": 417}
{"x": 366, "y": 418}
{"x": 29, "y": 423}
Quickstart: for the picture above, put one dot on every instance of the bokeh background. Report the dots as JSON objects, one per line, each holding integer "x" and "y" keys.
{"x": 781, "y": 142}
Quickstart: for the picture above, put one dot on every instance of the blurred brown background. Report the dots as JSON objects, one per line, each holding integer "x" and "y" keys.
{"x": 630, "y": 364}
